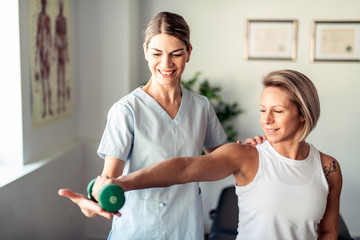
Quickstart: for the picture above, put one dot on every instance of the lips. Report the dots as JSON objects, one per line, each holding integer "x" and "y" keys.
{"x": 272, "y": 130}
{"x": 166, "y": 73}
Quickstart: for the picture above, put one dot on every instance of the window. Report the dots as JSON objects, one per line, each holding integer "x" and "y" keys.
{"x": 10, "y": 98}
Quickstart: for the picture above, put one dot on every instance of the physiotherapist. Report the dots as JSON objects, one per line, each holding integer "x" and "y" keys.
{"x": 157, "y": 121}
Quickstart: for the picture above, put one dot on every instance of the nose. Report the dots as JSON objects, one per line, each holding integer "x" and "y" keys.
{"x": 166, "y": 61}
{"x": 268, "y": 118}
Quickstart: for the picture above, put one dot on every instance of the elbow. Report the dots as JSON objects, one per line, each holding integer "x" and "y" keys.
{"x": 328, "y": 235}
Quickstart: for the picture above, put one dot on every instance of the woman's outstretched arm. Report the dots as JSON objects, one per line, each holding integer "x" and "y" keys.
{"x": 224, "y": 161}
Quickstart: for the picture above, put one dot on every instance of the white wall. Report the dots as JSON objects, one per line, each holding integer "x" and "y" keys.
{"x": 31, "y": 208}
{"x": 102, "y": 51}
{"x": 218, "y": 33}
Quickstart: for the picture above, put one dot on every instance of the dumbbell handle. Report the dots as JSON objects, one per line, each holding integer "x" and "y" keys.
{"x": 111, "y": 197}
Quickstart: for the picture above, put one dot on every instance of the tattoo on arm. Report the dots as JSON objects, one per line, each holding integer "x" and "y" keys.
{"x": 330, "y": 169}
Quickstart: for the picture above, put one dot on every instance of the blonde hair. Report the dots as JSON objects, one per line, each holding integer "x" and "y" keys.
{"x": 171, "y": 24}
{"x": 302, "y": 93}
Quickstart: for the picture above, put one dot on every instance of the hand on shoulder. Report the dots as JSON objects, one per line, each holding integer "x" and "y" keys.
{"x": 254, "y": 141}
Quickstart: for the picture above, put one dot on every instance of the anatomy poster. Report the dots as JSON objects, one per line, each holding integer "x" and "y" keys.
{"x": 50, "y": 48}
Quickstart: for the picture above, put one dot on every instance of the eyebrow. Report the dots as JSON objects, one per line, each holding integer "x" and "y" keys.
{"x": 273, "y": 106}
{"x": 158, "y": 50}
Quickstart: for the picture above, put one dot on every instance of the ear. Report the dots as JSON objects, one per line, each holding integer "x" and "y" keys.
{"x": 145, "y": 51}
{"x": 189, "y": 53}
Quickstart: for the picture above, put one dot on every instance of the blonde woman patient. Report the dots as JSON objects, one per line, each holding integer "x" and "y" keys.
{"x": 286, "y": 187}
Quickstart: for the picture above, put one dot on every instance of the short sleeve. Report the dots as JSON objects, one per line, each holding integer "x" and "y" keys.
{"x": 117, "y": 139}
{"x": 215, "y": 134}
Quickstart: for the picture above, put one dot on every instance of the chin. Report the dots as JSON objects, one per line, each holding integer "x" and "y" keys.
{"x": 272, "y": 139}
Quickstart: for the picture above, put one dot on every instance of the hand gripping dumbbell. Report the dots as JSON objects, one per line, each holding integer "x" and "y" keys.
{"x": 111, "y": 197}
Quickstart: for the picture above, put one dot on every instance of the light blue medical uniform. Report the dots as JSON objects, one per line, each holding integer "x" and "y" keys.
{"x": 140, "y": 132}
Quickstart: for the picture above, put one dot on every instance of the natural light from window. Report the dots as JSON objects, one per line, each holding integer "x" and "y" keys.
{"x": 11, "y": 151}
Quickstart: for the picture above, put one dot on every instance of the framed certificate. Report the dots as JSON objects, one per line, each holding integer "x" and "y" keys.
{"x": 271, "y": 39}
{"x": 335, "y": 41}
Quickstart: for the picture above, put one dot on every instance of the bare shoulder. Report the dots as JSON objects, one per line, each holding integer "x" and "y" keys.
{"x": 239, "y": 155}
{"x": 238, "y": 149}
{"x": 331, "y": 169}
{"x": 245, "y": 158}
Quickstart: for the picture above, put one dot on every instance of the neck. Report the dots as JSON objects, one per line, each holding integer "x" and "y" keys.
{"x": 168, "y": 94}
{"x": 293, "y": 150}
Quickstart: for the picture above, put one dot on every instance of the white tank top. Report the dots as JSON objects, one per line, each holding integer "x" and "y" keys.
{"x": 286, "y": 199}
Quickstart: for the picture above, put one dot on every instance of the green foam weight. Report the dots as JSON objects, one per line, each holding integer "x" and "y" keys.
{"x": 89, "y": 189}
{"x": 111, "y": 197}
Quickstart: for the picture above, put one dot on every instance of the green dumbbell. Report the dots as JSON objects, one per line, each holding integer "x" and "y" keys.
{"x": 111, "y": 197}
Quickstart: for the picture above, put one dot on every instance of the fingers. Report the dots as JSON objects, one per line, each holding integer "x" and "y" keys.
{"x": 66, "y": 193}
{"x": 70, "y": 194}
{"x": 260, "y": 139}
{"x": 92, "y": 209}
{"x": 250, "y": 141}
{"x": 100, "y": 182}
{"x": 256, "y": 140}
{"x": 88, "y": 207}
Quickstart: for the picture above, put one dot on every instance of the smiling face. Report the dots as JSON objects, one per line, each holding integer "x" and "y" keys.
{"x": 279, "y": 117}
{"x": 167, "y": 57}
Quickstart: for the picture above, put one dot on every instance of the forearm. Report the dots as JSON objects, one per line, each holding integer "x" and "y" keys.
{"x": 163, "y": 174}
{"x": 113, "y": 167}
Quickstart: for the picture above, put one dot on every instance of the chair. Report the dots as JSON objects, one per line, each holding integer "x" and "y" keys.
{"x": 343, "y": 230}
{"x": 225, "y": 218}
